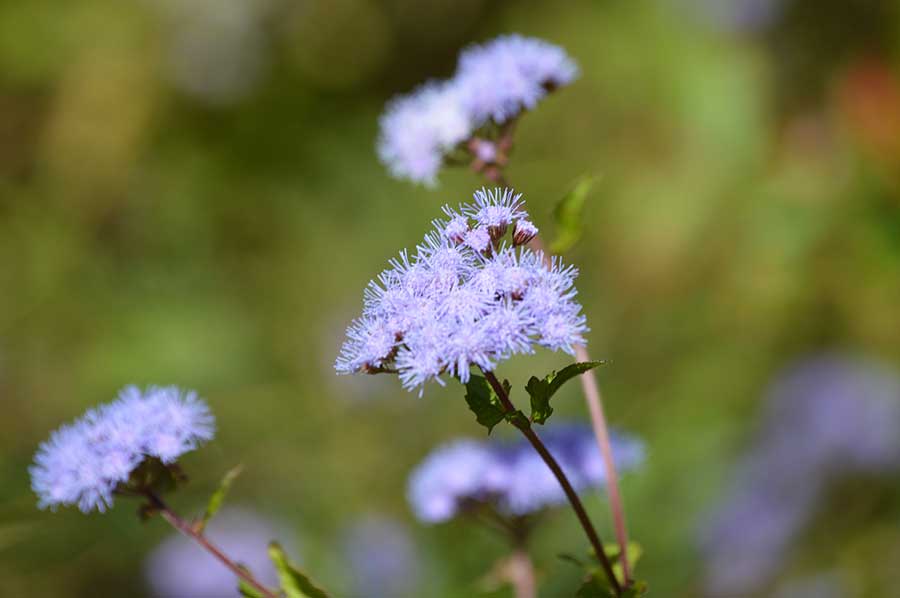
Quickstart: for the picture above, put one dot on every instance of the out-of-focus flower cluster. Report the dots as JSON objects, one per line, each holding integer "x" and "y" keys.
{"x": 493, "y": 83}
{"x": 382, "y": 558}
{"x": 828, "y": 418}
{"x": 465, "y": 298}
{"x": 511, "y": 477}
{"x": 82, "y": 463}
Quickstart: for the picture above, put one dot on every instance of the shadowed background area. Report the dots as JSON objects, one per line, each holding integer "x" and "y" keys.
{"x": 189, "y": 194}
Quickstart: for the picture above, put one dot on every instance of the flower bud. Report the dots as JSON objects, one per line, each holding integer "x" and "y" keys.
{"x": 524, "y": 232}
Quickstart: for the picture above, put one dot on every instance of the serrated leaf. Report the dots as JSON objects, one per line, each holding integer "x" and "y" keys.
{"x": 218, "y": 497}
{"x": 484, "y": 403}
{"x": 567, "y": 215}
{"x": 542, "y": 389}
{"x": 294, "y": 582}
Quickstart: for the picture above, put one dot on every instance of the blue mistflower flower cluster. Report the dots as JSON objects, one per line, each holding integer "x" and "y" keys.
{"x": 82, "y": 463}
{"x": 499, "y": 79}
{"x": 512, "y": 477}
{"x": 494, "y": 82}
{"x": 466, "y": 297}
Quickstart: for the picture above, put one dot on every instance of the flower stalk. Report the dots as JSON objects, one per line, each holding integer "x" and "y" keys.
{"x": 200, "y": 538}
{"x": 589, "y": 387}
{"x": 524, "y": 426}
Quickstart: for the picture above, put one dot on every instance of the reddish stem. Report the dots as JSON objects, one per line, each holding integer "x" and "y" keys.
{"x": 524, "y": 426}
{"x": 590, "y": 387}
{"x": 188, "y": 530}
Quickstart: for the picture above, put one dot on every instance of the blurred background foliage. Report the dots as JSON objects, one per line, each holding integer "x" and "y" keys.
{"x": 189, "y": 195}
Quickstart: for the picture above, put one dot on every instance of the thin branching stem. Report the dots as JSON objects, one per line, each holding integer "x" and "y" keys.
{"x": 191, "y": 532}
{"x": 524, "y": 426}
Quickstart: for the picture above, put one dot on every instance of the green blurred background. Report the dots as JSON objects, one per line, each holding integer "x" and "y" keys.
{"x": 189, "y": 195}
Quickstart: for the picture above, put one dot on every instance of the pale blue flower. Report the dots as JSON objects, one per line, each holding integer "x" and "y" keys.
{"x": 532, "y": 486}
{"x": 82, "y": 463}
{"x": 464, "y": 298}
{"x": 452, "y": 474}
{"x": 494, "y": 82}
{"x": 383, "y": 560}
{"x": 417, "y": 129}
{"x": 510, "y": 476}
{"x": 501, "y": 78}
{"x": 824, "y": 419}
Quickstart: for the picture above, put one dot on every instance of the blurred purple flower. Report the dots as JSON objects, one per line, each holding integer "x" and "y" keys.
{"x": 83, "y": 462}
{"x": 825, "y": 418}
{"x": 419, "y": 128}
{"x": 383, "y": 560}
{"x": 494, "y": 81}
{"x": 501, "y": 78}
{"x": 735, "y": 15}
{"x": 511, "y": 476}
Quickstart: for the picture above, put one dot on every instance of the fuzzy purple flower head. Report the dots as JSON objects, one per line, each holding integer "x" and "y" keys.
{"x": 509, "y": 74}
{"x": 510, "y": 476}
{"x": 494, "y": 83}
{"x": 418, "y": 129}
{"x": 82, "y": 463}
{"x": 465, "y": 298}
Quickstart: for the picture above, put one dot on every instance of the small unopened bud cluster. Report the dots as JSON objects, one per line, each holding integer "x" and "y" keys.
{"x": 493, "y": 213}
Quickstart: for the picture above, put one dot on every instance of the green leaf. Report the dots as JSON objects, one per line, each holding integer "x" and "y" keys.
{"x": 593, "y": 587}
{"x": 541, "y": 390}
{"x": 612, "y": 551}
{"x": 484, "y": 403}
{"x": 244, "y": 588}
{"x": 567, "y": 215}
{"x": 596, "y": 583}
{"x": 249, "y": 591}
{"x": 218, "y": 497}
{"x": 635, "y": 590}
{"x": 571, "y": 558}
{"x": 294, "y": 582}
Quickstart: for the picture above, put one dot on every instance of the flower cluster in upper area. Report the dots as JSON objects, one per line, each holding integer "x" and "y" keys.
{"x": 493, "y": 83}
{"x": 465, "y": 298}
{"x": 511, "y": 477}
{"x": 82, "y": 463}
